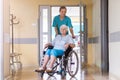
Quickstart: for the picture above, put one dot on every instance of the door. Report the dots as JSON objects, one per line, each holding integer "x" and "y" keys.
{"x": 78, "y": 17}
{"x": 83, "y": 35}
{"x": 43, "y": 29}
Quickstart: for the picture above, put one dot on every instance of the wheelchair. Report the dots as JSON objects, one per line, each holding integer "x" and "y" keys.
{"x": 69, "y": 62}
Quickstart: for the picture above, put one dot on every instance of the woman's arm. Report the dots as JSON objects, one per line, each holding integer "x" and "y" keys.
{"x": 72, "y": 32}
{"x": 48, "y": 44}
{"x": 52, "y": 43}
{"x": 69, "y": 44}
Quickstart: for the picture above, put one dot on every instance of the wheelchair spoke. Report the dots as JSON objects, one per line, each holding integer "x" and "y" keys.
{"x": 51, "y": 78}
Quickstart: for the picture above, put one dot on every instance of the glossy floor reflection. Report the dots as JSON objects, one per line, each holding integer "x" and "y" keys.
{"x": 29, "y": 74}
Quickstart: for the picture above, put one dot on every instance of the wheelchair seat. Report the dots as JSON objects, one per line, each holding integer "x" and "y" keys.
{"x": 59, "y": 57}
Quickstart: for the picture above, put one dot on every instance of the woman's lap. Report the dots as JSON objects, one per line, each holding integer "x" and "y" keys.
{"x": 54, "y": 52}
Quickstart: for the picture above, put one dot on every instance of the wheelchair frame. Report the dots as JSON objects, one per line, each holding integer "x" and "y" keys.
{"x": 63, "y": 62}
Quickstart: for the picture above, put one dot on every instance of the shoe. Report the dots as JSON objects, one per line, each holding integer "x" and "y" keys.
{"x": 41, "y": 69}
{"x": 48, "y": 70}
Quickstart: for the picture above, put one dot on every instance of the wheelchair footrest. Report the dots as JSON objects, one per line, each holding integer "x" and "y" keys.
{"x": 39, "y": 71}
{"x": 72, "y": 63}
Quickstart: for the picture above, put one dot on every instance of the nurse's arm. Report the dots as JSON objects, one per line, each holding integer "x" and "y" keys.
{"x": 72, "y": 32}
{"x": 56, "y": 30}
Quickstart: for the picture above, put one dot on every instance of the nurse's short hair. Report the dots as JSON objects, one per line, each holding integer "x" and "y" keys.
{"x": 62, "y": 7}
{"x": 64, "y": 26}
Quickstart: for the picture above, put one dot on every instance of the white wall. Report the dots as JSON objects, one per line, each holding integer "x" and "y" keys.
{"x": 6, "y": 34}
{"x": 4, "y": 38}
{"x": 114, "y": 30}
{"x": 1, "y": 39}
{"x": 96, "y": 33}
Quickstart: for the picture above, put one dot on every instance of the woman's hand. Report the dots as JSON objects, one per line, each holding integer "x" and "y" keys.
{"x": 46, "y": 45}
{"x": 69, "y": 44}
{"x": 66, "y": 45}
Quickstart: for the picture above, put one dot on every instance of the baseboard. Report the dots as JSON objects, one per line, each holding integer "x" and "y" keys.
{"x": 95, "y": 67}
{"x": 24, "y": 66}
{"x": 113, "y": 77}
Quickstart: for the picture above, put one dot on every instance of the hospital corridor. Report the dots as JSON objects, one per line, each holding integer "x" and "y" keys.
{"x": 59, "y": 40}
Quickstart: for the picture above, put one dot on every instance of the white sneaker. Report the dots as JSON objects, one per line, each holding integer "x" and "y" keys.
{"x": 48, "y": 70}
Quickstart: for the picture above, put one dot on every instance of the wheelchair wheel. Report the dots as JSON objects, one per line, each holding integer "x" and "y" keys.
{"x": 73, "y": 78}
{"x": 73, "y": 63}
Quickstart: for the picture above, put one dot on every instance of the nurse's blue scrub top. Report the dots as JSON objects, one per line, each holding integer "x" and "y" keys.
{"x": 57, "y": 22}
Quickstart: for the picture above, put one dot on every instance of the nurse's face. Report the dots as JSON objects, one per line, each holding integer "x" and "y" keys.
{"x": 62, "y": 12}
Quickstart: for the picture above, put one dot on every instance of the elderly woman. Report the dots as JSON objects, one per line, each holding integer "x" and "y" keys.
{"x": 60, "y": 43}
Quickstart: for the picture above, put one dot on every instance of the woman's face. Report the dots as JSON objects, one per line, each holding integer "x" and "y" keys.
{"x": 62, "y": 12}
{"x": 63, "y": 31}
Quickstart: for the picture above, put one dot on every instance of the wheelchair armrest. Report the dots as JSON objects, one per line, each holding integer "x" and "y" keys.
{"x": 69, "y": 48}
{"x": 67, "y": 51}
{"x": 44, "y": 52}
{"x": 50, "y": 47}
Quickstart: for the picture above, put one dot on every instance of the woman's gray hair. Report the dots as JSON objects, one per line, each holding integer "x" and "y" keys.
{"x": 64, "y": 26}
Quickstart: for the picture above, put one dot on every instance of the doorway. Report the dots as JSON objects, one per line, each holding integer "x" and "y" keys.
{"x": 46, "y": 32}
